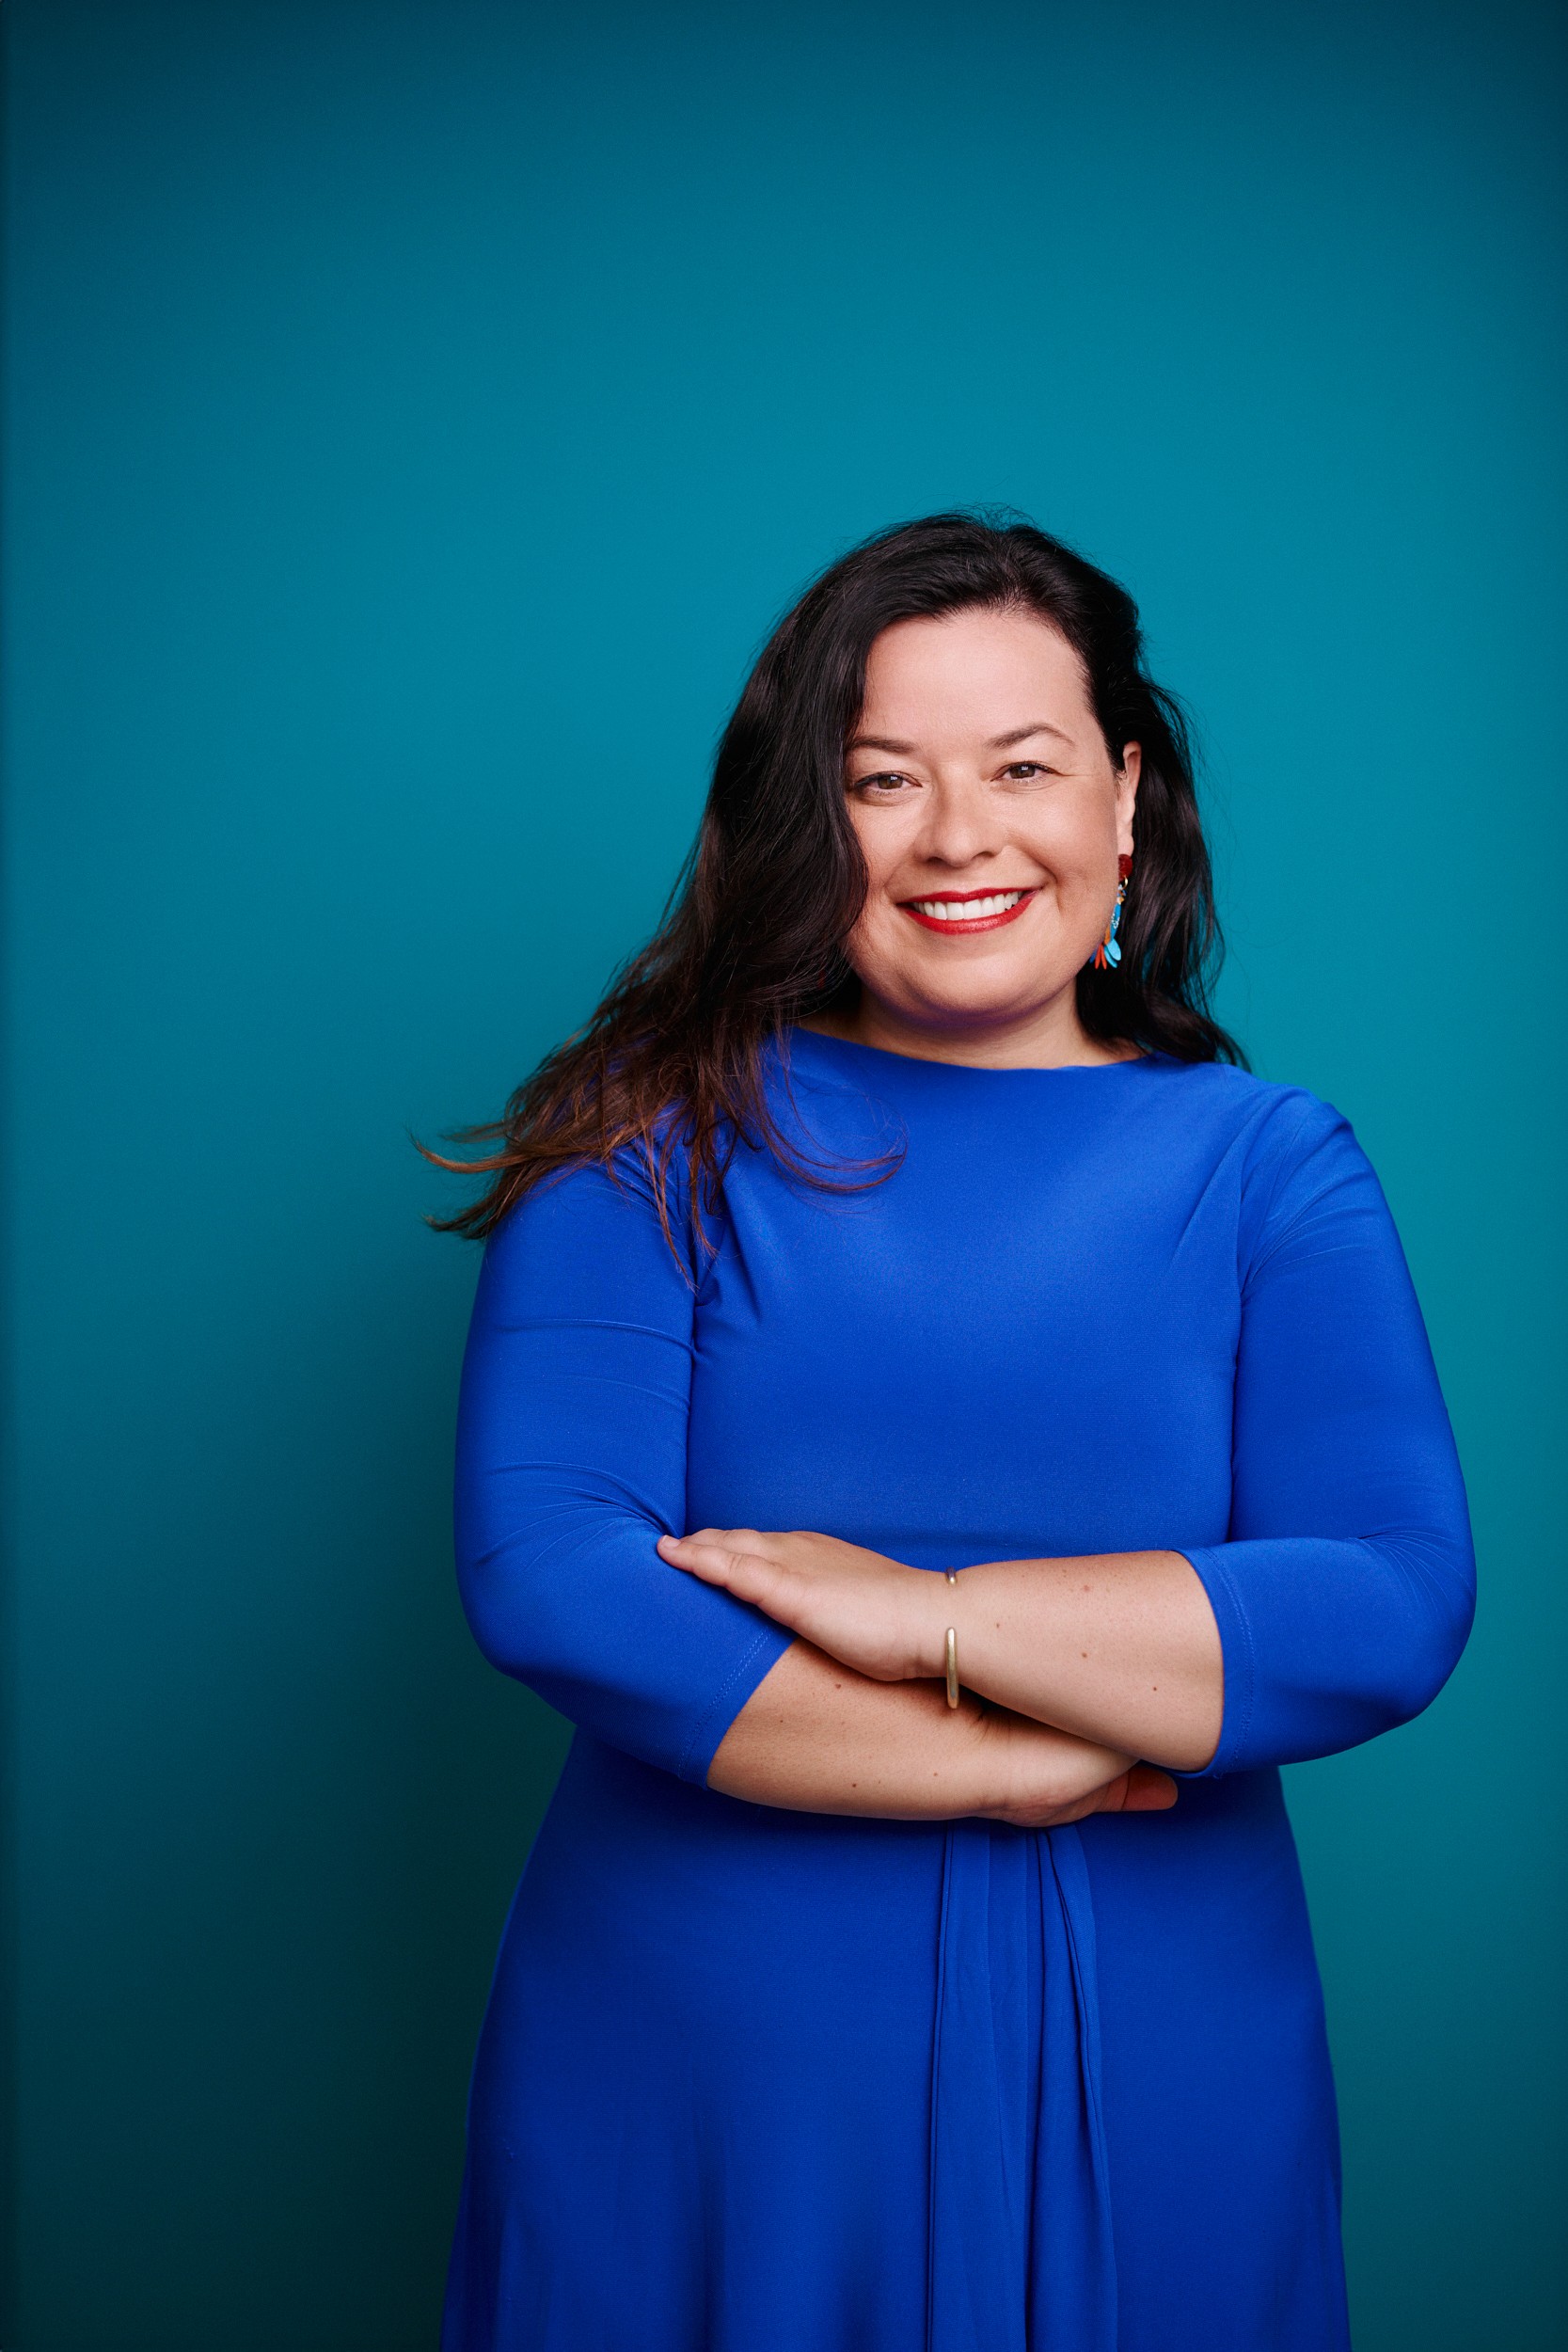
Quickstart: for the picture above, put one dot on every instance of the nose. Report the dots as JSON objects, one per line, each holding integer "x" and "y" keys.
{"x": 962, "y": 824}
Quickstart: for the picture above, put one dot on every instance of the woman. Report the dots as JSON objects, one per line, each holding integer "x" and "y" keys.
{"x": 901, "y": 1293}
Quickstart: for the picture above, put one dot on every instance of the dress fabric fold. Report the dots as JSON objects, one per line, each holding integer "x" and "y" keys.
{"x": 1020, "y": 2244}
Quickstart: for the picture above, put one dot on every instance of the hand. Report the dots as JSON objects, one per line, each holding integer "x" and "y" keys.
{"x": 870, "y": 1612}
{"x": 1047, "y": 1778}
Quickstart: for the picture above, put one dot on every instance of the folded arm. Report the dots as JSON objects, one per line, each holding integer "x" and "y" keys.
{"x": 1119, "y": 1649}
{"x": 1336, "y": 1607}
{"x": 570, "y": 1464}
{"x": 815, "y": 1736}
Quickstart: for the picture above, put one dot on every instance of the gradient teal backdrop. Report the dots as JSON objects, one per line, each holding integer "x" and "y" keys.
{"x": 418, "y": 410}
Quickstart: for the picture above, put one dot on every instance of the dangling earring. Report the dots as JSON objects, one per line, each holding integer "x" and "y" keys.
{"x": 1108, "y": 954}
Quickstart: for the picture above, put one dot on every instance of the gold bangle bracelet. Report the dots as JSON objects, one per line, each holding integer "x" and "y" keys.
{"x": 952, "y": 1656}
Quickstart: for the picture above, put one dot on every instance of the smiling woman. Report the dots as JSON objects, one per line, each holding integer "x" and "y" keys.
{"x": 676, "y": 1061}
{"x": 981, "y": 831}
{"x": 945, "y": 1435}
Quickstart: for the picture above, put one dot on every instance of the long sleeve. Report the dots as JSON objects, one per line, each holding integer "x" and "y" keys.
{"x": 1345, "y": 1593}
{"x": 571, "y": 1462}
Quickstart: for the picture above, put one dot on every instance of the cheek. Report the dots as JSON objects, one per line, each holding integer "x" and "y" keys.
{"x": 1070, "y": 830}
{"x": 1078, "y": 848}
{"x": 878, "y": 930}
{"x": 882, "y": 944}
{"x": 880, "y": 845}
{"x": 882, "y": 856}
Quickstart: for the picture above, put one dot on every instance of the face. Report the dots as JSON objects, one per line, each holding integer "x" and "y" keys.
{"x": 991, "y": 814}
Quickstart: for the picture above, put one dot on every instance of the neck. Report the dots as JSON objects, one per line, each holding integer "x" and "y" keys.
{"x": 1050, "y": 1036}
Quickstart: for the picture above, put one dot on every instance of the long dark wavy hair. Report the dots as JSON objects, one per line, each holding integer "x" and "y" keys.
{"x": 752, "y": 938}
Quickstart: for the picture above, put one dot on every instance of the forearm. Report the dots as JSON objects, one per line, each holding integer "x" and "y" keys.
{"x": 1120, "y": 1648}
{"x": 816, "y": 1736}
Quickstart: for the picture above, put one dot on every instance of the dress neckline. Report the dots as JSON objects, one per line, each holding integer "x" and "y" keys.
{"x": 886, "y": 1055}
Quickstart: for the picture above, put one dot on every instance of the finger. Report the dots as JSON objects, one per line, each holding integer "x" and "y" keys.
{"x": 763, "y": 1583}
{"x": 1144, "y": 1789}
{"x": 1064, "y": 1815}
{"x": 1105, "y": 1800}
{"x": 702, "y": 1555}
{"x": 709, "y": 1545}
{"x": 726, "y": 1539}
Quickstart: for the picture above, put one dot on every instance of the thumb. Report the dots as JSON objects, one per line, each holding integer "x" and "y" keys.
{"x": 1146, "y": 1789}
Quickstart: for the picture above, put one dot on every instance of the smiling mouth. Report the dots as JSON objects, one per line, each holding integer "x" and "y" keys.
{"x": 968, "y": 909}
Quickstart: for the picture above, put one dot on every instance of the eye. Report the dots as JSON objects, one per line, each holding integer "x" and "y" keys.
{"x": 1025, "y": 770}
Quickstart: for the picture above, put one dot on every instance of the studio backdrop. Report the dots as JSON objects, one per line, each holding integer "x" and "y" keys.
{"x": 417, "y": 413}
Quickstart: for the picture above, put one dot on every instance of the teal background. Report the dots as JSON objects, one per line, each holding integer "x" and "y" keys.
{"x": 416, "y": 416}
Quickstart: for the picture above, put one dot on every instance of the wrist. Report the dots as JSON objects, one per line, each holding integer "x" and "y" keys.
{"x": 1000, "y": 1765}
{"x": 933, "y": 1609}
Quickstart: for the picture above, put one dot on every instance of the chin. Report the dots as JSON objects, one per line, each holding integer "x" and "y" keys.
{"x": 986, "y": 1009}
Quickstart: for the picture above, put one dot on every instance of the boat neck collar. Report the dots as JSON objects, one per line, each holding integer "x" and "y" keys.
{"x": 884, "y": 1056}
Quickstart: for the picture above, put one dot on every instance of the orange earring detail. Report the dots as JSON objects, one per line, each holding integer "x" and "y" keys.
{"x": 1108, "y": 954}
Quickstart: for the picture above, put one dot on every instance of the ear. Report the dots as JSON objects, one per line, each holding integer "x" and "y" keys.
{"x": 1127, "y": 794}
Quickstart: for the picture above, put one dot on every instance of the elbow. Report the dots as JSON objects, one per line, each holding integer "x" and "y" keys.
{"x": 499, "y": 1631}
{"x": 508, "y": 1617}
{"x": 1347, "y": 1639}
{"x": 554, "y": 1597}
{"x": 1409, "y": 1690}
{"x": 1430, "y": 1641}
{"x": 508, "y": 1604}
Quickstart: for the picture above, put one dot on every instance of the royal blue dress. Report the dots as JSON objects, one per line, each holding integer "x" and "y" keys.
{"x": 753, "y": 2080}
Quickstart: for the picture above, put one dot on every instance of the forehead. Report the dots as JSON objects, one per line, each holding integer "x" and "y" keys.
{"x": 974, "y": 673}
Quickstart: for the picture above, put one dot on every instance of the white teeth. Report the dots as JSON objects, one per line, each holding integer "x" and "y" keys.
{"x": 966, "y": 909}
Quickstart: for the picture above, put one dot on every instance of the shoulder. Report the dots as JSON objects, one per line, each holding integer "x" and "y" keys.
{"x": 598, "y": 1220}
{"x": 1271, "y": 1121}
{"x": 1288, "y": 1152}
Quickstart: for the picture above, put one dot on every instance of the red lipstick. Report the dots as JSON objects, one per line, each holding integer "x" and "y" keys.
{"x": 966, "y": 923}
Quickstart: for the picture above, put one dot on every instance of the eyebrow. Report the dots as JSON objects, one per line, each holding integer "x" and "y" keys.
{"x": 997, "y": 742}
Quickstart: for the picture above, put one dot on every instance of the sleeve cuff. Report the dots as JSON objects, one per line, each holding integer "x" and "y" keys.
{"x": 1240, "y": 1666}
{"x": 731, "y": 1697}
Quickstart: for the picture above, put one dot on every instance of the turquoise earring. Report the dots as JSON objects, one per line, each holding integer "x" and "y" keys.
{"x": 1108, "y": 954}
